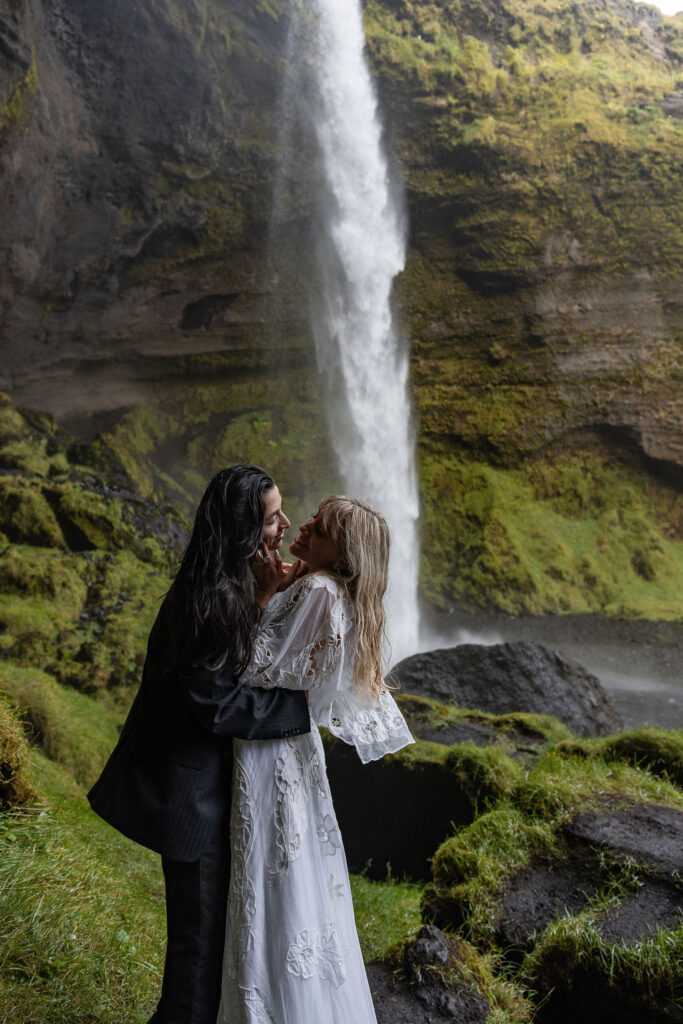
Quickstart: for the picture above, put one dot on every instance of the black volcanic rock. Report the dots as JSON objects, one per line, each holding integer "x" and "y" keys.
{"x": 512, "y": 677}
{"x": 418, "y": 994}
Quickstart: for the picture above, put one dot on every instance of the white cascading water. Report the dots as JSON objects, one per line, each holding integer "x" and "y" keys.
{"x": 360, "y": 246}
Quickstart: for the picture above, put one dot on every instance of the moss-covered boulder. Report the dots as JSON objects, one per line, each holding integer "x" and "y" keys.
{"x": 509, "y": 678}
{"x": 395, "y": 812}
{"x": 434, "y": 976}
{"x": 575, "y": 880}
{"x": 520, "y": 735}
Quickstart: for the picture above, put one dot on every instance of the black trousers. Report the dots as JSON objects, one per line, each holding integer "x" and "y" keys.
{"x": 196, "y": 907}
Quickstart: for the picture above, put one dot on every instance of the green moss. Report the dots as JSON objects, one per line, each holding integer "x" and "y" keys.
{"x": 26, "y": 516}
{"x": 27, "y": 572}
{"x": 644, "y": 974}
{"x": 425, "y": 713}
{"x": 583, "y": 534}
{"x": 98, "y": 519}
{"x": 470, "y": 869}
{"x": 15, "y": 788}
{"x": 71, "y": 728}
{"x": 485, "y": 774}
{"x": 557, "y": 786}
{"x": 83, "y": 618}
{"x": 467, "y": 970}
{"x": 659, "y": 751}
{"x": 16, "y": 110}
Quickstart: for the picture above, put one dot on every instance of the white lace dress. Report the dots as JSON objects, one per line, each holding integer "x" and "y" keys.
{"x": 292, "y": 954}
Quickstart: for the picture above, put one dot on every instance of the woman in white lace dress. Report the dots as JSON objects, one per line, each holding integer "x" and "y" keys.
{"x": 292, "y": 954}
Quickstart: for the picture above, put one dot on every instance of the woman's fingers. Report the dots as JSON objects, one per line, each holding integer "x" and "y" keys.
{"x": 289, "y": 575}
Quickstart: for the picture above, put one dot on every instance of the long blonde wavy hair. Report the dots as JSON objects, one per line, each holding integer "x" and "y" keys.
{"x": 362, "y": 536}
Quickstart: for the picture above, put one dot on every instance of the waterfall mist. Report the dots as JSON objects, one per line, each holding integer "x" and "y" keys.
{"x": 359, "y": 246}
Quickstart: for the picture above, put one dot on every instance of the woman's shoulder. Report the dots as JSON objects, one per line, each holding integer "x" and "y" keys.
{"x": 316, "y": 586}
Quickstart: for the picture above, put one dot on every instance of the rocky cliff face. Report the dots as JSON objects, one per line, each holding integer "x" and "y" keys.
{"x": 541, "y": 151}
{"x": 541, "y": 145}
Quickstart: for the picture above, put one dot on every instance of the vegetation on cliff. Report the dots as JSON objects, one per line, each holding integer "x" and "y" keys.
{"x": 541, "y": 144}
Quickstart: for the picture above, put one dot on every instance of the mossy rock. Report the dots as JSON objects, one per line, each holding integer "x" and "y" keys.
{"x": 659, "y": 751}
{"x": 411, "y": 800}
{"x": 520, "y": 735}
{"x": 474, "y": 867}
{"x": 435, "y": 976}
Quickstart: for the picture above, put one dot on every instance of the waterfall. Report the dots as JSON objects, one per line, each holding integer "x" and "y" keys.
{"x": 360, "y": 247}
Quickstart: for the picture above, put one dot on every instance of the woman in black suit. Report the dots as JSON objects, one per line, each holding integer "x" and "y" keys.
{"x": 167, "y": 784}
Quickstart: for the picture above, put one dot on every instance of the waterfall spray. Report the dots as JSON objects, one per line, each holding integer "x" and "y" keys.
{"x": 360, "y": 247}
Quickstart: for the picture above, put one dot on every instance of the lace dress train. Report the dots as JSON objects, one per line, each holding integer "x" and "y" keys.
{"x": 292, "y": 954}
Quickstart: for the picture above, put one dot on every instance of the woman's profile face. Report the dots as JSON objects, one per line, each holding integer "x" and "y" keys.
{"x": 275, "y": 522}
{"x": 315, "y": 546}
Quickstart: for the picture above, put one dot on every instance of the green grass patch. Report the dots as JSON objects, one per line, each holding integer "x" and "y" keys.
{"x": 71, "y": 728}
{"x": 646, "y": 972}
{"x": 82, "y": 919}
{"x": 658, "y": 751}
{"x": 386, "y": 912}
{"x": 558, "y": 786}
{"x": 15, "y": 788}
{"x": 582, "y": 535}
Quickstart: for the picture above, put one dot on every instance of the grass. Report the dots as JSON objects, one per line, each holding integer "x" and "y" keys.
{"x": 649, "y": 971}
{"x": 72, "y": 729}
{"x": 81, "y": 915}
{"x": 386, "y": 912}
{"x": 82, "y": 920}
{"x": 658, "y": 751}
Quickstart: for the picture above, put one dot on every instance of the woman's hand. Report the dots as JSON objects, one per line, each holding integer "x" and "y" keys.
{"x": 266, "y": 565}
{"x": 290, "y": 573}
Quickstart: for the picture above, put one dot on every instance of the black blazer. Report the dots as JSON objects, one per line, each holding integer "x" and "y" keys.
{"x": 167, "y": 784}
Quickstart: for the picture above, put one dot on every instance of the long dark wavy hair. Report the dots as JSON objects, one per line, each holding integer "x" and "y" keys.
{"x": 213, "y": 596}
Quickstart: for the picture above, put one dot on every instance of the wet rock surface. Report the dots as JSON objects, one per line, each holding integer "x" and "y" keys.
{"x": 647, "y": 833}
{"x": 418, "y": 994}
{"x": 512, "y": 677}
{"x": 541, "y": 893}
{"x": 656, "y": 905}
{"x": 647, "y": 836}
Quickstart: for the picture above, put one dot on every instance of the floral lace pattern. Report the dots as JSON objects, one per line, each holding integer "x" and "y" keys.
{"x": 297, "y": 771}
{"x": 292, "y": 950}
{"x": 315, "y": 953}
{"x": 328, "y": 834}
{"x": 309, "y": 658}
{"x": 256, "y": 1008}
{"x": 242, "y": 899}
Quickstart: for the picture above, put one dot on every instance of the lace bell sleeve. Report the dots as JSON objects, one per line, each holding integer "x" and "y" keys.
{"x": 300, "y": 641}
{"x": 306, "y": 641}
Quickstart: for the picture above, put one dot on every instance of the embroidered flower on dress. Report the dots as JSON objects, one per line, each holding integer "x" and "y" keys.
{"x": 312, "y": 953}
{"x": 335, "y": 889}
{"x": 257, "y": 1009}
{"x": 328, "y": 834}
{"x": 302, "y": 955}
{"x": 332, "y": 966}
